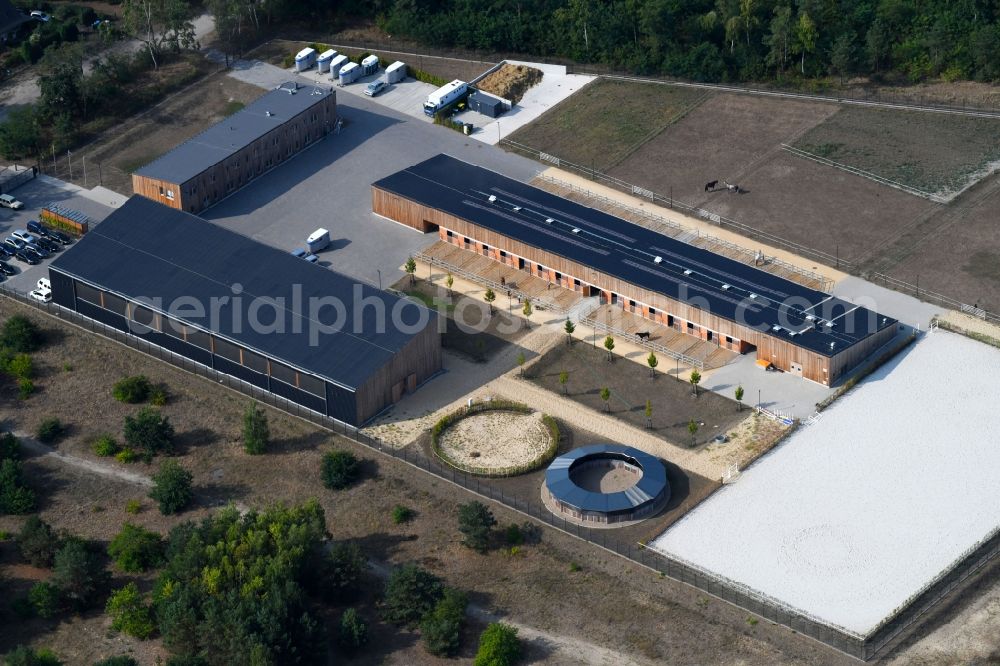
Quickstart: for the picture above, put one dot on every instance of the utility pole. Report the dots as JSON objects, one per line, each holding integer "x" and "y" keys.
{"x": 69, "y": 160}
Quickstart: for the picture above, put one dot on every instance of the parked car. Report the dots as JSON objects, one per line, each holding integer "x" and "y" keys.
{"x": 7, "y": 269}
{"x": 60, "y": 237}
{"x": 39, "y": 15}
{"x": 6, "y": 250}
{"x": 31, "y": 247}
{"x": 42, "y": 295}
{"x": 28, "y": 257}
{"x": 15, "y": 243}
{"x": 7, "y": 201}
{"x": 375, "y": 87}
{"x": 312, "y": 258}
{"x": 299, "y": 252}
{"x": 43, "y": 283}
{"x": 37, "y": 228}
{"x": 48, "y": 245}
{"x": 23, "y": 235}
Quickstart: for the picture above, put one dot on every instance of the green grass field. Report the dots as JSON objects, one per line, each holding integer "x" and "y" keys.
{"x": 603, "y": 123}
{"x": 933, "y": 152}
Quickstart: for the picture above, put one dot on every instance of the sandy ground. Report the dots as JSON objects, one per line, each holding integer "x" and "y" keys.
{"x": 905, "y": 441}
{"x": 496, "y": 439}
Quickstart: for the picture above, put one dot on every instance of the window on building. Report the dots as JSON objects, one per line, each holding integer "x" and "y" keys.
{"x": 170, "y": 194}
{"x": 142, "y": 315}
{"x": 311, "y": 384}
{"x": 227, "y": 350}
{"x": 87, "y": 293}
{"x": 114, "y": 304}
{"x": 255, "y": 362}
{"x": 161, "y": 190}
{"x": 197, "y": 338}
{"x": 282, "y": 373}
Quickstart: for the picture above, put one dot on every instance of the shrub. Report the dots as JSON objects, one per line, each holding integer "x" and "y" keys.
{"x": 402, "y": 514}
{"x": 172, "y": 487}
{"x": 133, "y": 507}
{"x": 15, "y": 497}
{"x": 50, "y": 430}
{"x": 79, "y": 573}
{"x": 105, "y": 446}
{"x": 9, "y": 447}
{"x": 498, "y": 646}
{"x": 441, "y": 629}
{"x": 158, "y": 397}
{"x": 126, "y": 455}
{"x": 21, "y": 366}
{"x": 23, "y": 655}
{"x": 353, "y": 630}
{"x": 514, "y": 535}
{"x": 20, "y": 335}
{"x": 44, "y": 598}
{"x": 132, "y": 390}
{"x": 22, "y": 608}
{"x": 340, "y": 469}
{"x": 135, "y": 549}
{"x": 149, "y": 433}
{"x": 255, "y": 430}
{"x": 410, "y": 594}
{"x": 341, "y": 570}
{"x": 474, "y": 522}
{"x": 25, "y": 387}
{"x": 37, "y": 542}
{"x": 121, "y": 660}
{"x": 129, "y": 614}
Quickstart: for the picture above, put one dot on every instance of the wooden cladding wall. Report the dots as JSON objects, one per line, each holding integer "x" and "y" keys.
{"x": 223, "y": 178}
{"x": 784, "y": 354}
{"x": 413, "y": 364}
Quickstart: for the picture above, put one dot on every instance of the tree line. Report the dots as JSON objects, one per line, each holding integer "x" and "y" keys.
{"x": 718, "y": 40}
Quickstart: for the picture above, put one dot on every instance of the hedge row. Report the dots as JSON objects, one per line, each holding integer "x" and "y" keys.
{"x": 495, "y": 405}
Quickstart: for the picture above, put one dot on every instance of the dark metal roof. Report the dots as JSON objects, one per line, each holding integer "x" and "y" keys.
{"x": 148, "y": 251}
{"x": 719, "y": 285}
{"x": 235, "y": 132}
{"x": 650, "y": 487}
{"x": 486, "y": 97}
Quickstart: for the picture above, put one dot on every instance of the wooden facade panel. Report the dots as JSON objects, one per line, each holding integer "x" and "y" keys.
{"x": 413, "y": 364}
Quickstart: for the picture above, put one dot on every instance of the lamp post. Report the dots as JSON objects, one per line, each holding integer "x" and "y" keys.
{"x": 758, "y": 401}
{"x": 379, "y": 271}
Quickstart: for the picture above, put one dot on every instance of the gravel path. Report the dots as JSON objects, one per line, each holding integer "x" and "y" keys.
{"x": 499, "y": 377}
{"x": 40, "y": 449}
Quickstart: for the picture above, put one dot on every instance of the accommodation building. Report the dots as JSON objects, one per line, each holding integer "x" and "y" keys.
{"x": 734, "y": 305}
{"x": 212, "y": 165}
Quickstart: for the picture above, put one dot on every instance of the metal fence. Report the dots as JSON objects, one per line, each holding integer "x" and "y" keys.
{"x": 684, "y": 233}
{"x": 15, "y": 176}
{"x": 931, "y": 296}
{"x": 665, "y": 565}
{"x": 670, "y": 202}
{"x": 875, "y": 96}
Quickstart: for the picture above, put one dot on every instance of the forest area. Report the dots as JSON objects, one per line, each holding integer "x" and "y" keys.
{"x": 713, "y": 40}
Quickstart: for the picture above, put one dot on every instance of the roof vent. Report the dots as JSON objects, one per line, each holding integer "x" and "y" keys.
{"x": 687, "y": 271}
{"x": 657, "y": 260}
{"x": 832, "y": 344}
{"x": 549, "y": 220}
{"x": 753, "y": 296}
{"x": 517, "y": 208}
{"x": 493, "y": 198}
{"x": 726, "y": 287}
{"x": 268, "y": 114}
{"x": 575, "y": 230}
{"x": 776, "y": 328}
{"x": 810, "y": 317}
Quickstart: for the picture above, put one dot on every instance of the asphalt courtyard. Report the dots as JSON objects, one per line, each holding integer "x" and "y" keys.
{"x": 329, "y": 186}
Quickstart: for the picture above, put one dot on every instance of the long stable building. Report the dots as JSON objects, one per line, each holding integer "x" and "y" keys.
{"x": 212, "y": 165}
{"x": 296, "y": 329}
{"x": 799, "y": 330}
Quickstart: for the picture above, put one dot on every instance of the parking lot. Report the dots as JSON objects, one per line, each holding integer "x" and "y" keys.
{"x": 329, "y": 186}
{"x": 35, "y": 195}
